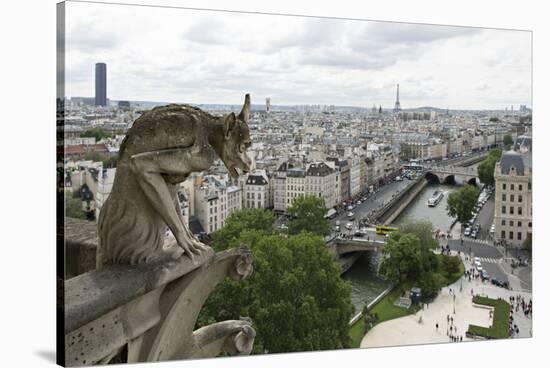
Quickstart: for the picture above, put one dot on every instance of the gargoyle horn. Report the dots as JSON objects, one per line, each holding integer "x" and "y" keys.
{"x": 245, "y": 112}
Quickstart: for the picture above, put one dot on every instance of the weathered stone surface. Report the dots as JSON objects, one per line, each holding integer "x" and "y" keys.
{"x": 152, "y": 309}
{"x": 161, "y": 149}
{"x": 80, "y": 246}
{"x": 142, "y": 301}
{"x": 93, "y": 294}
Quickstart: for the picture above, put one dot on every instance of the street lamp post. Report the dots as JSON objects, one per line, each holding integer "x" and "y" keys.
{"x": 454, "y": 308}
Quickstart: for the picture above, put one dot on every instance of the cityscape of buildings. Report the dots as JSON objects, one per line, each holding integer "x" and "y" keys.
{"x": 335, "y": 153}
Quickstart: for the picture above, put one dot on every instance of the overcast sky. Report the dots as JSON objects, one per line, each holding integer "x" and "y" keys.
{"x": 179, "y": 55}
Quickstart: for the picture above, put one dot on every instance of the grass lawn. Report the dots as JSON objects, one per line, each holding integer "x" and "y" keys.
{"x": 385, "y": 309}
{"x": 499, "y": 329}
{"x": 356, "y": 332}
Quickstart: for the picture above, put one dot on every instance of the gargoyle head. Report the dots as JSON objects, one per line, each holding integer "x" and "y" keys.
{"x": 236, "y": 141}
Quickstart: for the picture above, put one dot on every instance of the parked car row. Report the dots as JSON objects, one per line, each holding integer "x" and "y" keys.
{"x": 473, "y": 228}
{"x": 472, "y": 231}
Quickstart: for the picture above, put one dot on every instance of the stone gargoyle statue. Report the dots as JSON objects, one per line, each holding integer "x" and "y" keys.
{"x": 162, "y": 148}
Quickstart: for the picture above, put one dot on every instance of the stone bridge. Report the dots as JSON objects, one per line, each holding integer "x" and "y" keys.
{"x": 452, "y": 175}
{"x": 342, "y": 246}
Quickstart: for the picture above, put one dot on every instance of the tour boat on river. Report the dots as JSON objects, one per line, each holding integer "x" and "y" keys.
{"x": 435, "y": 199}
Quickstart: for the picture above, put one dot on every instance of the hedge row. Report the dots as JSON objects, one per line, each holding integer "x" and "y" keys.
{"x": 501, "y": 315}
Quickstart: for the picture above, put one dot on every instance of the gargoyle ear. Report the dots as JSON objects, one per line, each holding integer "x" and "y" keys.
{"x": 245, "y": 112}
{"x": 228, "y": 124}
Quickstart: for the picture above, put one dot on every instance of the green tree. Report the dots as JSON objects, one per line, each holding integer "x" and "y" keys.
{"x": 402, "y": 258}
{"x": 431, "y": 283}
{"x": 97, "y": 133}
{"x": 73, "y": 207}
{"x": 486, "y": 173}
{"x": 486, "y": 169}
{"x": 423, "y": 230}
{"x": 308, "y": 214}
{"x": 528, "y": 242}
{"x": 407, "y": 253}
{"x": 109, "y": 161}
{"x": 507, "y": 140}
{"x": 246, "y": 219}
{"x": 461, "y": 203}
{"x": 295, "y": 297}
{"x": 450, "y": 266}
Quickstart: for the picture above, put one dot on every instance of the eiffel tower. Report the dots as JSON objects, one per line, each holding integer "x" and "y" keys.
{"x": 397, "y": 107}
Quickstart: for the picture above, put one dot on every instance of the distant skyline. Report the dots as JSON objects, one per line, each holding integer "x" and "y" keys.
{"x": 210, "y": 57}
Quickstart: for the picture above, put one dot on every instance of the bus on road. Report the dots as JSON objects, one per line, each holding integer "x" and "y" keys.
{"x": 385, "y": 230}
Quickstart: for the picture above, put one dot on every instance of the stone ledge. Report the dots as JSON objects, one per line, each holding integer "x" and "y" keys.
{"x": 93, "y": 294}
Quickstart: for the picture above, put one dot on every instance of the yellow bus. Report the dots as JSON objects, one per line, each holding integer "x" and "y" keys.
{"x": 385, "y": 230}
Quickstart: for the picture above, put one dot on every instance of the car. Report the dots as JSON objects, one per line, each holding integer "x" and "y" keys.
{"x": 359, "y": 234}
{"x": 473, "y": 234}
{"x": 479, "y": 268}
{"x": 350, "y": 207}
{"x": 349, "y": 226}
{"x": 485, "y": 276}
{"x": 398, "y": 178}
{"x": 467, "y": 231}
{"x": 337, "y": 228}
{"x": 497, "y": 282}
{"x": 477, "y": 259}
{"x": 477, "y": 263}
{"x": 358, "y": 202}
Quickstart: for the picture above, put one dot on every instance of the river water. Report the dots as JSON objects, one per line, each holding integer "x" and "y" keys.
{"x": 366, "y": 285}
{"x": 419, "y": 210}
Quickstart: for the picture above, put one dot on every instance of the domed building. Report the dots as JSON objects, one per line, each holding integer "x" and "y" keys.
{"x": 513, "y": 198}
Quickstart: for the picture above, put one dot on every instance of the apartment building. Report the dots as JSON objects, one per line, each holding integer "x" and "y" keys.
{"x": 513, "y": 197}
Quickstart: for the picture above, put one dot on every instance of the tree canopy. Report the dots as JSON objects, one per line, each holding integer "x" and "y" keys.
{"x": 486, "y": 169}
{"x": 97, "y": 133}
{"x": 295, "y": 296}
{"x": 407, "y": 254}
{"x": 408, "y": 257}
{"x": 461, "y": 203}
{"x": 308, "y": 214}
{"x": 109, "y": 161}
{"x": 528, "y": 242}
{"x": 507, "y": 140}
{"x": 246, "y": 219}
{"x": 73, "y": 206}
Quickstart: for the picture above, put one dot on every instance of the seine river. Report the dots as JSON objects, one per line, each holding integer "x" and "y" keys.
{"x": 366, "y": 285}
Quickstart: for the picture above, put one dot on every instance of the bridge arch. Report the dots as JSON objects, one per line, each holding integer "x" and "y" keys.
{"x": 449, "y": 179}
{"x": 432, "y": 178}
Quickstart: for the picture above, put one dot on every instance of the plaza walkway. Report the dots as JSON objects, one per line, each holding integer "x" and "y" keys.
{"x": 408, "y": 331}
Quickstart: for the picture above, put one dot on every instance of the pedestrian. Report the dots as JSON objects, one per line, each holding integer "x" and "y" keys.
{"x": 436, "y": 326}
{"x": 460, "y": 338}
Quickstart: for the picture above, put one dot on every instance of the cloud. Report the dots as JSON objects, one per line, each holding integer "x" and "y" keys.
{"x": 213, "y": 57}
{"x": 206, "y": 32}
